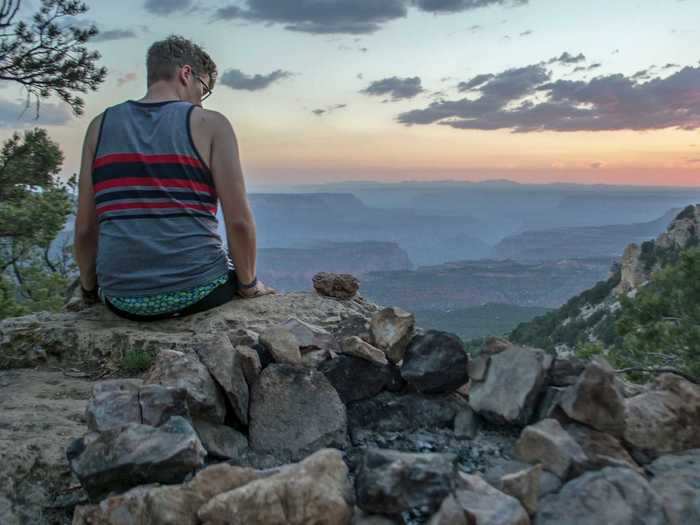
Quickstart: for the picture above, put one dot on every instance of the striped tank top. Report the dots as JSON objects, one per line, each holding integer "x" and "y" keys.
{"x": 156, "y": 204}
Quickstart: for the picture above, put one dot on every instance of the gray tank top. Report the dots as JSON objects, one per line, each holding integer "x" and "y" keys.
{"x": 156, "y": 203}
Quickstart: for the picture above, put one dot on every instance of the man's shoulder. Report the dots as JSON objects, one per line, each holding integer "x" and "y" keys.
{"x": 210, "y": 118}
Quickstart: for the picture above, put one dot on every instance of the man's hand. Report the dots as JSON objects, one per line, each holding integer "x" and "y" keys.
{"x": 257, "y": 291}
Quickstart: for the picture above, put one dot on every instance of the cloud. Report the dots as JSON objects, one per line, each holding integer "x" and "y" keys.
{"x": 567, "y": 58}
{"x": 340, "y": 16}
{"x": 236, "y": 79}
{"x": 455, "y": 6}
{"x": 166, "y": 7}
{"x": 527, "y": 99}
{"x": 398, "y": 88}
{"x": 526, "y": 33}
{"x": 113, "y": 34}
{"x": 474, "y": 82}
{"x": 596, "y": 165}
{"x": 126, "y": 78}
{"x": 16, "y": 114}
{"x": 329, "y": 109}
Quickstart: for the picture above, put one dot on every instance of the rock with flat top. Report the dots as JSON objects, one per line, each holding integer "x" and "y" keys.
{"x": 339, "y": 285}
{"x": 391, "y": 329}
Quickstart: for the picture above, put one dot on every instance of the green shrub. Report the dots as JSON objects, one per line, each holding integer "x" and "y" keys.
{"x": 136, "y": 361}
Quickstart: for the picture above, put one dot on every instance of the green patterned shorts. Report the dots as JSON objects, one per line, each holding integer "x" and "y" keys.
{"x": 165, "y": 302}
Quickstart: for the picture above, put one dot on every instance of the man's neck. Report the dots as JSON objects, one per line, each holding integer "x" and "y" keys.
{"x": 160, "y": 94}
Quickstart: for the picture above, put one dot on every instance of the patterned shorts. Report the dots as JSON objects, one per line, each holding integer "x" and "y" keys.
{"x": 165, "y": 302}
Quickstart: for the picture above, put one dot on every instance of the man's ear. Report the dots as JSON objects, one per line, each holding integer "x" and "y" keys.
{"x": 184, "y": 74}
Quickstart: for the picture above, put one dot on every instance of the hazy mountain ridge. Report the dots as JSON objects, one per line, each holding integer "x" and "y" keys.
{"x": 463, "y": 284}
{"x": 582, "y": 241}
{"x": 290, "y": 269}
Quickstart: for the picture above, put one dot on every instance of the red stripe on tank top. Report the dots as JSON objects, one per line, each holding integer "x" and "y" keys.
{"x": 126, "y": 182}
{"x": 153, "y": 205}
{"x": 147, "y": 159}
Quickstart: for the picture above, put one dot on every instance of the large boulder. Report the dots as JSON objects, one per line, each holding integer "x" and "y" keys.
{"x": 355, "y": 378}
{"x": 676, "y": 479}
{"x": 435, "y": 362}
{"x": 596, "y": 399}
{"x": 390, "y": 482}
{"x": 513, "y": 382}
{"x": 405, "y": 412}
{"x": 611, "y": 495}
{"x": 165, "y": 504}
{"x": 601, "y": 449}
{"x": 225, "y": 364}
{"x": 295, "y": 411}
{"x": 548, "y": 443}
{"x": 391, "y": 329}
{"x": 663, "y": 419}
{"x": 114, "y": 403}
{"x": 317, "y": 490}
{"x": 122, "y": 458}
{"x": 180, "y": 370}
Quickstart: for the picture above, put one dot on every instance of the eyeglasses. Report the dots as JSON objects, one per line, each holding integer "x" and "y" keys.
{"x": 207, "y": 91}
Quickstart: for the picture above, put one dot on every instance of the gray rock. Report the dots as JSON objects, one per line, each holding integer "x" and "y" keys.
{"x": 548, "y": 443}
{"x": 566, "y": 371}
{"x": 120, "y": 459}
{"x": 310, "y": 336}
{"x": 352, "y": 325}
{"x": 295, "y": 411}
{"x": 159, "y": 403}
{"x": 390, "y": 482}
{"x": 467, "y": 423}
{"x": 548, "y": 482}
{"x": 243, "y": 337}
{"x": 435, "y": 362}
{"x": 250, "y": 363}
{"x": 664, "y": 419}
{"x": 611, "y": 495}
{"x": 513, "y": 382}
{"x": 315, "y": 358}
{"x": 480, "y": 504}
{"x": 112, "y": 407}
{"x": 356, "y": 347}
{"x": 391, "y": 329}
{"x": 524, "y": 486}
{"x": 405, "y": 412}
{"x": 548, "y": 405}
{"x": 478, "y": 366}
{"x": 339, "y": 285}
{"x": 676, "y": 479}
{"x": 596, "y": 400}
{"x": 282, "y": 344}
{"x": 360, "y": 517}
{"x": 355, "y": 378}
{"x": 602, "y": 450}
{"x": 220, "y": 441}
{"x": 179, "y": 370}
{"x": 225, "y": 365}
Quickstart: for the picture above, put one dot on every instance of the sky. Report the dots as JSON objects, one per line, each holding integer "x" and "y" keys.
{"x": 534, "y": 91}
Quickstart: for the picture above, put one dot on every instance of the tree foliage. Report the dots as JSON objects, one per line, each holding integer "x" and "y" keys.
{"x": 47, "y": 55}
{"x": 34, "y": 207}
{"x": 660, "y": 326}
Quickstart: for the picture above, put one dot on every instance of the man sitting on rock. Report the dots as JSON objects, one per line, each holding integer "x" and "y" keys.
{"x": 152, "y": 173}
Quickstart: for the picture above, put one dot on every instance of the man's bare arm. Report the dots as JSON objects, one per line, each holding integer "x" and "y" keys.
{"x": 230, "y": 186}
{"x": 86, "y": 226}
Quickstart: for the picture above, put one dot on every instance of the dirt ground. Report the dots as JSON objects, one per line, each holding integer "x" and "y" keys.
{"x": 41, "y": 412}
